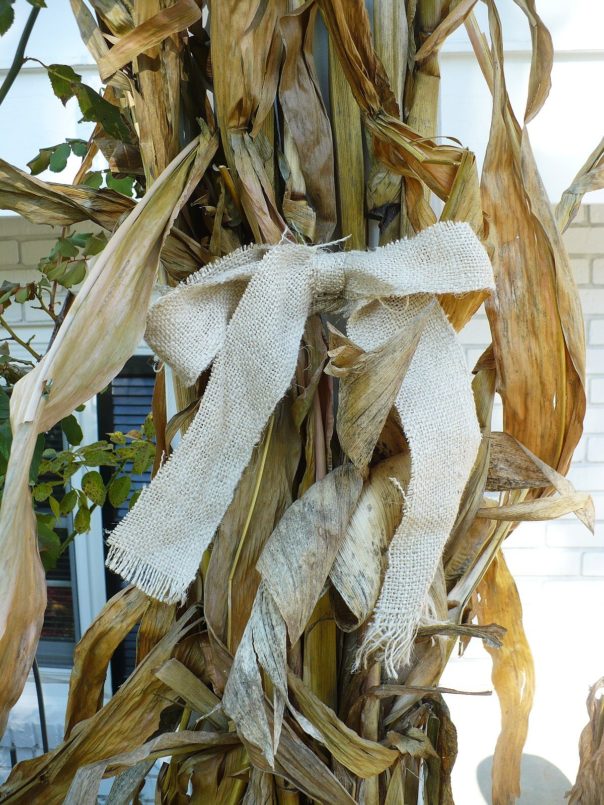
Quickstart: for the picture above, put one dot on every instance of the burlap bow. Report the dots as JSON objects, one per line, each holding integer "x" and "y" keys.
{"x": 247, "y": 313}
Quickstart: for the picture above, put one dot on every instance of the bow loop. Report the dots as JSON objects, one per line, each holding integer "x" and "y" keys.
{"x": 247, "y": 313}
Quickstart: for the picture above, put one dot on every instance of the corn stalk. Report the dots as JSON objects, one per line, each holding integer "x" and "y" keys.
{"x": 224, "y": 113}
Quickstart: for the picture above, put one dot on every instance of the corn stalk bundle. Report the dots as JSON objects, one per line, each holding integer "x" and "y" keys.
{"x": 290, "y": 639}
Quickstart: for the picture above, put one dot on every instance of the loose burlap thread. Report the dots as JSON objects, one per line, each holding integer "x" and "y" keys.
{"x": 246, "y": 314}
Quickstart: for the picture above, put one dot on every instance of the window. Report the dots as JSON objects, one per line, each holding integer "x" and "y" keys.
{"x": 60, "y": 631}
{"x": 123, "y": 406}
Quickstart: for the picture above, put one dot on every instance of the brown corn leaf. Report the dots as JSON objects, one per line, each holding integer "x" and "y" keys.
{"x": 306, "y": 118}
{"x": 363, "y": 757}
{"x": 61, "y": 205}
{"x": 542, "y": 60}
{"x": 93, "y": 653}
{"x": 300, "y": 552}
{"x": 154, "y": 30}
{"x": 542, "y": 509}
{"x": 126, "y": 721}
{"x": 119, "y": 289}
{"x": 589, "y": 784}
{"x": 450, "y": 23}
{"x": 368, "y": 390}
{"x": 197, "y": 695}
{"x": 22, "y": 578}
{"x": 116, "y": 14}
{"x": 361, "y": 562}
{"x": 590, "y": 177}
{"x": 536, "y": 301}
{"x": 85, "y": 787}
{"x": 513, "y": 676}
{"x": 298, "y": 764}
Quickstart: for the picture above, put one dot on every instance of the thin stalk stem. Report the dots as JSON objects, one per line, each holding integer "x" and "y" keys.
{"x": 18, "y": 60}
{"x": 25, "y": 344}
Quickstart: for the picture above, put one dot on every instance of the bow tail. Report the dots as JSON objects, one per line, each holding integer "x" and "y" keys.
{"x": 437, "y": 411}
{"x": 159, "y": 544}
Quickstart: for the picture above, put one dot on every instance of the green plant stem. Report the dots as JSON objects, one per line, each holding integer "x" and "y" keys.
{"x": 18, "y": 59}
{"x": 25, "y": 344}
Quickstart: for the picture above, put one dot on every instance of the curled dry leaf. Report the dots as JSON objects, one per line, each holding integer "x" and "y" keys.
{"x": 513, "y": 675}
{"x": 590, "y": 177}
{"x": 148, "y": 34}
{"x": 589, "y": 784}
{"x": 80, "y": 363}
{"x": 93, "y": 653}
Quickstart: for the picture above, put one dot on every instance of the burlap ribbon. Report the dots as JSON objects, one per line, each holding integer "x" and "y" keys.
{"x": 246, "y": 313}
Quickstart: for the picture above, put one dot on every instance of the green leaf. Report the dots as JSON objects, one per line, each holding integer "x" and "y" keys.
{"x": 143, "y": 456}
{"x": 64, "y": 81}
{"x": 94, "y": 488}
{"x": 79, "y": 147}
{"x": 99, "y": 458}
{"x": 93, "y": 179}
{"x": 58, "y": 160}
{"x": 54, "y": 506}
{"x": 123, "y": 186}
{"x": 65, "y": 248}
{"x": 119, "y": 489}
{"x": 134, "y": 498}
{"x": 96, "y": 244}
{"x": 49, "y": 544}
{"x": 81, "y": 522}
{"x": 22, "y": 295}
{"x": 4, "y": 404}
{"x": 68, "y": 502}
{"x": 117, "y": 437}
{"x": 96, "y": 109}
{"x": 40, "y": 162}
{"x": 7, "y": 15}
{"x": 74, "y": 274}
{"x": 72, "y": 430}
{"x": 34, "y": 468}
{"x": 149, "y": 427}
{"x": 42, "y": 492}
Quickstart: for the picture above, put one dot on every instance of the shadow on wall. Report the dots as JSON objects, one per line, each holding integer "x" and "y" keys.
{"x": 542, "y": 782}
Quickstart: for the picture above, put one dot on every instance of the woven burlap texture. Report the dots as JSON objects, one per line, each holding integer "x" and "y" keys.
{"x": 246, "y": 314}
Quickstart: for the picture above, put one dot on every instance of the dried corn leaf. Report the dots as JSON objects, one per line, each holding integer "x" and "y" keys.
{"x": 589, "y": 784}
{"x": 116, "y": 14}
{"x": 590, "y": 177}
{"x": 246, "y": 53}
{"x": 542, "y": 509}
{"x": 363, "y": 757}
{"x": 93, "y": 653}
{"x": 542, "y": 60}
{"x": 307, "y": 121}
{"x": 445, "y": 28}
{"x": 360, "y": 564}
{"x": 513, "y": 676}
{"x": 542, "y": 388}
{"x": 85, "y": 786}
{"x": 298, "y": 556}
{"x": 150, "y": 33}
{"x": 126, "y": 721}
{"x": 299, "y": 765}
{"x": 196, "y": 695}
{"x": 119, "y": 289}
{"x": 262, "y": 496}
{"x": 369, "y": 387}
{"x": 22, "y": 578}
{"x": 61, "y": 205}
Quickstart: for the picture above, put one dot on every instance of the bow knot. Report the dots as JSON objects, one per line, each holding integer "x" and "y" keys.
{"x": 246, "y": 314}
